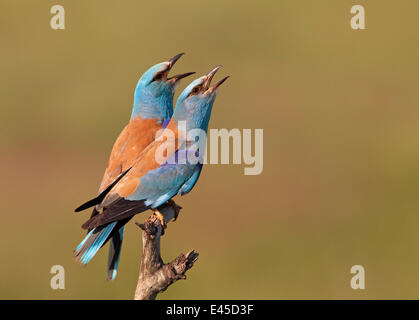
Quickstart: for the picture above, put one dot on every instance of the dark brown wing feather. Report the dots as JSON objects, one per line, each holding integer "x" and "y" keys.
{"x": 116, "y": 211}
{"x": 102, "y": 195}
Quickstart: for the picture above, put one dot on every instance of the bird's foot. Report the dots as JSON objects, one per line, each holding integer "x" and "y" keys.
{"x": 175, "y": 207}
{"x": 160, "y": 217}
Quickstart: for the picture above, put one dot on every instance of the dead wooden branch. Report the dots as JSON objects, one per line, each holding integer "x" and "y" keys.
{"x": 155, "y": 276}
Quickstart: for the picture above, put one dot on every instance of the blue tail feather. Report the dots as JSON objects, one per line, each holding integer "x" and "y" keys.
{"x": 114, "y": 253}
{"x": 94, "y": 240}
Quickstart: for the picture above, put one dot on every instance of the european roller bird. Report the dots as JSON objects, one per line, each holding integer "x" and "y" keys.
{"x": 150, "y": 183}
{"x": 152, "y": 109}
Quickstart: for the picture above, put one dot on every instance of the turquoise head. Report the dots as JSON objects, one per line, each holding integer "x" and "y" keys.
{"x": 153, "y": 97}
{"x": 195, "y": 103}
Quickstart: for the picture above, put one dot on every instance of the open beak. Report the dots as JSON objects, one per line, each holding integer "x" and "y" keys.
{"x": 208, "y": 79}
{"x": 217, "y": 84}
{"x": 179, "y": 76}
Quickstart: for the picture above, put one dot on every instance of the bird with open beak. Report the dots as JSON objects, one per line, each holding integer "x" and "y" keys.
{"x": 149, "y": 183}
{"x": 152, "y": 109}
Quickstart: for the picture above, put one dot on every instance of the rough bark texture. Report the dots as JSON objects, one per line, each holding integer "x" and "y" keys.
{"x": 155, "y": 276}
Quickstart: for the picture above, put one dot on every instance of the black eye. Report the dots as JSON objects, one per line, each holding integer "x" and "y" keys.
{"x": 195, "y": 90}
{"x": 158, "y": 76}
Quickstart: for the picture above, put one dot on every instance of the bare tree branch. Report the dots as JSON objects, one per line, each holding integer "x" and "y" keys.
{"x": 155, "y": 276}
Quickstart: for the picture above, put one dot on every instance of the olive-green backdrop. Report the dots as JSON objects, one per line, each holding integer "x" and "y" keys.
{"x": 339, "y": 109}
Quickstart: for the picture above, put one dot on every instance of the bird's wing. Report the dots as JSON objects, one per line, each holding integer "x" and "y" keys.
{"x": 134, "y": 138}
{"x": 136, "y": 194}
{"x": 190, "y": 183}
{"x": 113, "y": 173}
{"x": 115, "y": 166}
{"x": 161, "y": 184}
{"x": 101, "y": 196}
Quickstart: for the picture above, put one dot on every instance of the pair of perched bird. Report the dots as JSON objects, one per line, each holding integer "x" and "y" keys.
{"x": 134, "y": 180}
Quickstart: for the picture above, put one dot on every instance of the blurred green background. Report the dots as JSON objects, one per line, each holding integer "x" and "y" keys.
{"x": 339, "y": 109}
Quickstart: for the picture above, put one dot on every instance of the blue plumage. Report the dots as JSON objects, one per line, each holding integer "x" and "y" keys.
{"x": 177, "y": 175}
{"x": 158, "y": 185}
{"x": 115, "y": 253}
{"x": 93, "y": 242}
{"x": 153, "y": 99}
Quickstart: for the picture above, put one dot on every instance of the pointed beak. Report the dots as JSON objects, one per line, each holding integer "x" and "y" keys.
{"x": 174, "y": 59}
{"x": 209, "y": 77}
{"x": 217, "y": 84}
{"x": 179, "y": 76}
